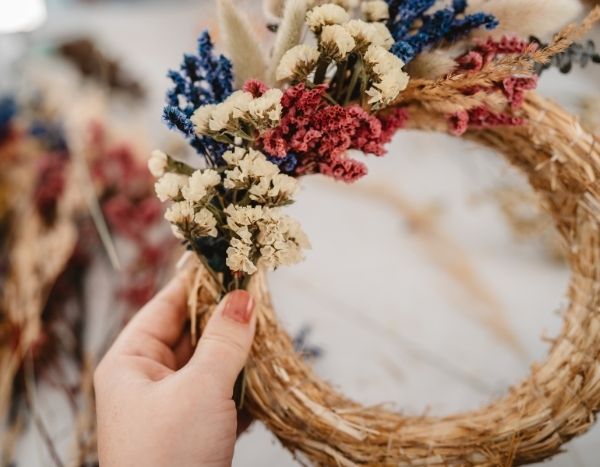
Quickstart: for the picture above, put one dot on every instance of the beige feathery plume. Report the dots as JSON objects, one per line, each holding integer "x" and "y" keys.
{"x": 289, "y": 33}
{"x": 431, "y": 65}
{"x": 273, "y": 10}
{"x": 241, "y": 44}
{"x": 540, "y": 18}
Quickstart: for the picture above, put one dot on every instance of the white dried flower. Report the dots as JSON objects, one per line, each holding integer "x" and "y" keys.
{"x": 297, "y": 63}
{"x": 383, "y": 36}
{"x": 201, "y": 117}
{"x": 243, "y": 216}
{"x": 375, "y": 10}
{"x": 324, "y": 15}
{"x": 169, "y": 186}
{"x": 277, "y": 240}
{"x": 266, "y": 109}
{"x": 283, "y": 186}
{"x": 366, "y": 34}
{"x": 157, "y": 164}
{"x": 200, "y": 184}
{"x": 180, "y": 212}
{"x": 281, "y": 241}
{"x": 238, "y": 257}
{"x": 336, "y": 42}
{"x": 225, "y": 114}
{"x": 234, "y": 156}
{"x": 205, "y": 223}
{"x": 386, "y": 72}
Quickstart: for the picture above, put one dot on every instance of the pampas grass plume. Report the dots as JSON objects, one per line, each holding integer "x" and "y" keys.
{"x": 289, "y": 33}
{"x": 540, "y": 18}
{"x": 431, "y": 65}
{"x": 241, "y": 44}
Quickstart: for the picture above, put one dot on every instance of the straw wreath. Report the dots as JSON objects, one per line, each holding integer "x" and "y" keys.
{"x": 404, "y": 65}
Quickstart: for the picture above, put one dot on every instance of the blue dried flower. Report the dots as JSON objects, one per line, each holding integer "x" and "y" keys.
{"x": 286, "y": 164}
{"x": 446, "y": 24}
{"x": 205, "y": 78}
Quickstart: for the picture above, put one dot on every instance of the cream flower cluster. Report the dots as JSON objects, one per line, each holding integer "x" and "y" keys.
{"x": 297, "y": 63}
{"x": 190, "y": 196}
{"x": 239, "y": 202}
{"x": 337, "y": 37}
{"x": 263, "y": 236}
{"x": 387, "y": 75}
{"x": 326, "y": 15}
{"x": 241, "y": 110}
{"x": 250, "y": 170}
{"x": 375, "y": 10}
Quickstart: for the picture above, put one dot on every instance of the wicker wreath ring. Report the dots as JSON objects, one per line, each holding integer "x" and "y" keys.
{"x": 558, "y": 400}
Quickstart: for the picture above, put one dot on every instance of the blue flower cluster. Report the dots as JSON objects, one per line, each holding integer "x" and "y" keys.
{"x": 8, "y": 109}
{"x": 446, "y": 24}
{"x": 286, "y": 164}
{"x": 205, "y": 78}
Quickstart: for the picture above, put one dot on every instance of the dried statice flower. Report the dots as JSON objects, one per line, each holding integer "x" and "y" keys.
{"x": 336, "y": 42}
{"x": 297, "y": 63}
{"x": 157, "y": 164}
{"x": 375, "y": 10}
{"x": 326, "y": 15}
{"x": 200, "y": 185}
{"x": 251, "y": 170}
{"x": 169, "y": 186}
{"x": 366, "y": 34}
{"x": 386, "y": 72}
{"x": 263, "y": 236}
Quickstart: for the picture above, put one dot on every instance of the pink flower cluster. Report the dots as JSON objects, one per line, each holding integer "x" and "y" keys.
{"x": 513, "y": 87}
{"x": 320, "y": 134}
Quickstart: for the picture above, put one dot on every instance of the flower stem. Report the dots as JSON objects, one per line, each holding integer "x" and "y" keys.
{"x": 353, "y": 79}
{"x": 322, "y": 66}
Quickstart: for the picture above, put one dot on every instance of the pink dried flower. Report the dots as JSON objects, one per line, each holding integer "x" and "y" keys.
{"x": 320, "y": 134}
{"x": 255, "y": 87}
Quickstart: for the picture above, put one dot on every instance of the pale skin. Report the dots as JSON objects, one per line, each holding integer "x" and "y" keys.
{"x": 160, "y": 402}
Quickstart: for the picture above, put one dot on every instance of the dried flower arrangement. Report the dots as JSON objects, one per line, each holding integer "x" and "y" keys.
{"x": 260, "y": 124}
{"x": 350, "y": 84}
{"x": 44, "y": 301}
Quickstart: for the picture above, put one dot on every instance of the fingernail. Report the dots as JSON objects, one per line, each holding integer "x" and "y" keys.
{"x": 238, "y": 306}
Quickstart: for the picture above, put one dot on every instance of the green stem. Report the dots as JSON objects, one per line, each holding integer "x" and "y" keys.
{"x": 354, "y": 78}
{"x": 322, "y": 66}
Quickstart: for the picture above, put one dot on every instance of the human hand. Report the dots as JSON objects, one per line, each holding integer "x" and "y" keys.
{"x": 162, "y": 403}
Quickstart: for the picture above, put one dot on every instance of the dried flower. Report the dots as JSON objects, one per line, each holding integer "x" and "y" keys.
{"x": 336, "y": 42}
{"x": 180, "y": 212}
{"x": 169, "y": 186}
{"x": 375, "y": 10}
{"x": 200, "y": 185}
{"x": 252, "y": 171}
{"x": 297, "y": 63}
{"x": 157, "y": 164}
{"x": 263, "y": 236}
{"x": 205, "y": 223}
{"x": 201, "y": 117}
{"x": 366, "y": 34}
{"x": 266, "y": 109}
{"x": 225, "y": 115}
{"x": 325, "y": 15}
{"x": 238, "y": 257}
{"x": 388, "y": 78}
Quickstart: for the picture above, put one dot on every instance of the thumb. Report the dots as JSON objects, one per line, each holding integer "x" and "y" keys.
{"x": 225, "y": 343}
